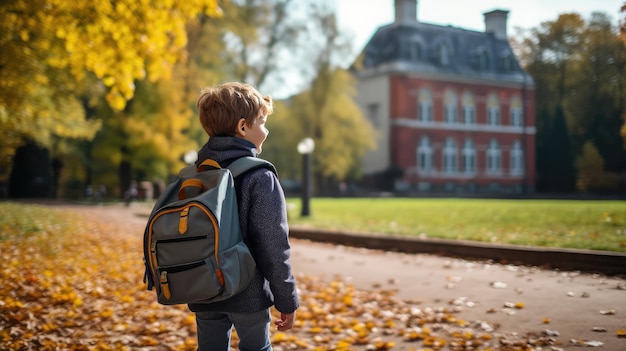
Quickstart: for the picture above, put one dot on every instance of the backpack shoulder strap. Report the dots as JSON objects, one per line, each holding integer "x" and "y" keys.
{"x": 248, "y": 163}
{"x": 188, "y": 171}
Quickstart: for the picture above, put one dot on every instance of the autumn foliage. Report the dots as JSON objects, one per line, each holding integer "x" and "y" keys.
{"x": 75, "y": 284}
{"x": 72, "y": 280}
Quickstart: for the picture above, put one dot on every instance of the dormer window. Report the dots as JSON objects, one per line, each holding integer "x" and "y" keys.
{"x": 506, "y": 61}
{"x": 481, "y": 59}
{"x": 412, "y": 49}
{"x": 444, "y": 55}
{"x": 507, "y": 64}
{"x": 415, "y": 51}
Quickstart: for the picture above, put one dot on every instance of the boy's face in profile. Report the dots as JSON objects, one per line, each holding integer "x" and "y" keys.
{"x": 255, "y": 133}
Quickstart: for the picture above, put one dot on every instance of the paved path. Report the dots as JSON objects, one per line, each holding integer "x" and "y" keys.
{"x": 574, "y": 303}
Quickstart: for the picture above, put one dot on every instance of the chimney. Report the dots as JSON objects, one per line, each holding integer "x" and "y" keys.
{"x": 495, "y": 22}
{"x": 406, "y": 11}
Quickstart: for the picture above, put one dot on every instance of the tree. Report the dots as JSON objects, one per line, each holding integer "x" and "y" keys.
{"x": 261, "y": 38}
{"x": 590, "y": 166}
{"x": 160, "y": 123}
{"x": 58, "y": 57}
{"x": 555, "y": 156}
{"x": 595, "y": 103}
{"x": 622, "y": 37}
{"x": 548, "y": 54}
{"x": 577, "y": 66}
{"x": 286, "y": 132}
{"x": 327, "y": 111}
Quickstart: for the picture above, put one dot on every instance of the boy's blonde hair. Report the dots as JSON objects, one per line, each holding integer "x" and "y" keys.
{"x": 221, "y": 107}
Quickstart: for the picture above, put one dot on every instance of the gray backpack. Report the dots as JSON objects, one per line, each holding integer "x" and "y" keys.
{"x": 193, "y": 246}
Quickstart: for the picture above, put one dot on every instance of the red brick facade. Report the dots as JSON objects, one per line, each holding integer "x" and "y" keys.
{"x": 408, "y": 131}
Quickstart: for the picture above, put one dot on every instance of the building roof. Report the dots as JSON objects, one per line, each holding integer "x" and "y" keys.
{"x": 419, "y": 47}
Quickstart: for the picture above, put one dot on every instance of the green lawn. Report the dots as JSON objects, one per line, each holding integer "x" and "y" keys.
{"x": 597, "y": 225}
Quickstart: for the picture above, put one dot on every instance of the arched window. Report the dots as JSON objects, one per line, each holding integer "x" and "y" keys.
{"x": 517, "y": 158}
{"x": 425, "y": 108}
{"x": 493, "y": 110}
{"x": 494, "y": 157}
{"x": 450, "y": 111}
{"x": 516, "y": 112}
{"x": 425, "y": 156}
{"x": 469, "y": 157}
{"x": 450, "y": 156}
{"x": 469, "y": 109}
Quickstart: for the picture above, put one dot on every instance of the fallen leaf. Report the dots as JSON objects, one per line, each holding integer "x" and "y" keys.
{"x": 498, "y": 285}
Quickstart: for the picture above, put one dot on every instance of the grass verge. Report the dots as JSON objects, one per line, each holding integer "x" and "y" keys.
{"x": 596, "y": 225}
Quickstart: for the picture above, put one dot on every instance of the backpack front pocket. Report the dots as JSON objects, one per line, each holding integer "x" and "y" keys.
{"x": 188, "y": 283}
{"x": 168, "y": 251}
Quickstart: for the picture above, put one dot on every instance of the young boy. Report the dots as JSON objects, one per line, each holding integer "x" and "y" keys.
{"x": 234, "y": 116}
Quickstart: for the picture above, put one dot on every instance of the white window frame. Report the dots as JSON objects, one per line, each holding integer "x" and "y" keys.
{"x": 469, "y": 157}
{"x": 450, "y": 157}
{"x": 516, "y": 112}
{"x": 425, "y": 106}
{"x": 493, "y": 110}
{"x": 517, "y": 158}
{"x": 494, "y": 157}
{"x": 425, "y": 156}
{"x": 469, "y": 109}
{"x": 450, "y": 110}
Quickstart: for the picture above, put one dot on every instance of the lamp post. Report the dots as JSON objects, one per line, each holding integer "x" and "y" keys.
{"x": 305, "y": 148}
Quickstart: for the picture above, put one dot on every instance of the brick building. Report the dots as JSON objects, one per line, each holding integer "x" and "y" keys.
{"x": 453, "y": 109}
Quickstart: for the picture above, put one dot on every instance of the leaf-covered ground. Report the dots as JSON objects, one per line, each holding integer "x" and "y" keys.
{"x": 74, "y": 282}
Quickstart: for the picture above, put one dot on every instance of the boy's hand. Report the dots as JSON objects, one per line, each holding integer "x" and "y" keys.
{"x": 286, "y": 321}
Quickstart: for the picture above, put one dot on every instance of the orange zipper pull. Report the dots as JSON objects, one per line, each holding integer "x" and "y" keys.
{"x": 165, "y": 286}
{"x": 182, "y": 223}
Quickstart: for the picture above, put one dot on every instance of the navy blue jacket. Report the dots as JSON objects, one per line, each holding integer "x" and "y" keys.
{"x": 263, "y": 219}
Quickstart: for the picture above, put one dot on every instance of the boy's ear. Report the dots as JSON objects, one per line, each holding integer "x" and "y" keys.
{"x": 240, "y": 130}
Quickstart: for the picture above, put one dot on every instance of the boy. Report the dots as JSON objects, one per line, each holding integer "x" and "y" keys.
{"x": 234, "y": 116}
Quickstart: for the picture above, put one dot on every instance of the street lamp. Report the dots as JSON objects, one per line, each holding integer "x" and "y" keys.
{"x": 305, "y": 148}
{"x": 190, "y": 156}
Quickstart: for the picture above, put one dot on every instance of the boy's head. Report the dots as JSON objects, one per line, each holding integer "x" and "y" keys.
{"x": 235, "y": 109}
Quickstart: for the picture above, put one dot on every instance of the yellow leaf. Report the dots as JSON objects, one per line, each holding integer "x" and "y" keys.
{"x": 108, "y": 81}
{"x": 315, "y": 330}
{"x": 24, "y": 35}
{"x": 279, "y": 337}
{"x": 106, "y": 313}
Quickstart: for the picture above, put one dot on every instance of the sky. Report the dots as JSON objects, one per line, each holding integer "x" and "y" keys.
{"x": 359, "y": 19}
{"x": 363, "y": 17}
